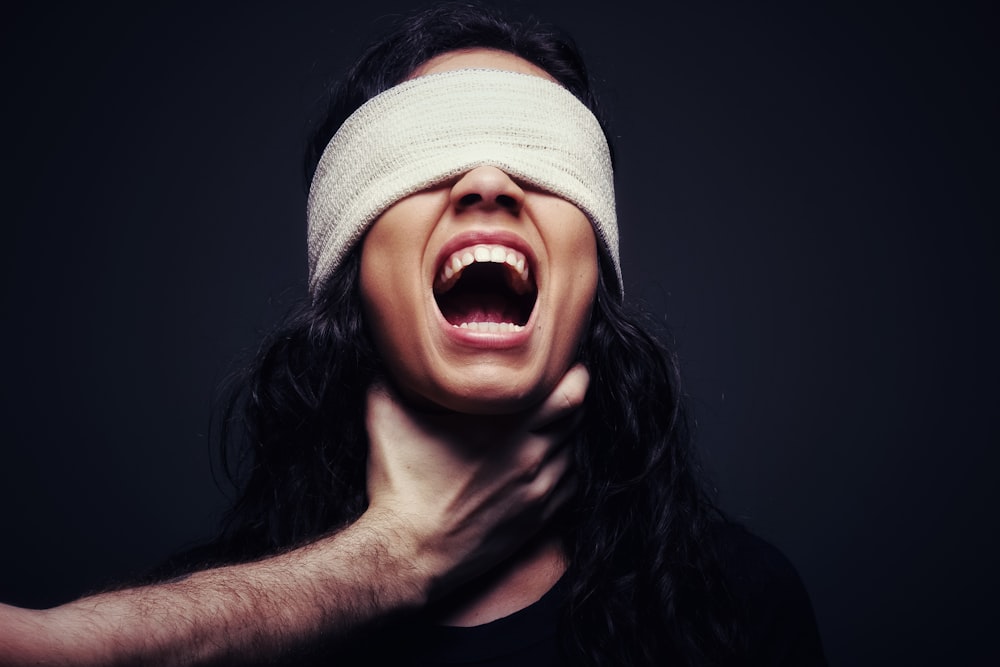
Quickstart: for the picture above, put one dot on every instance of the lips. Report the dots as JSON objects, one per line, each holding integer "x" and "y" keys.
{"x": 485, "y": 287}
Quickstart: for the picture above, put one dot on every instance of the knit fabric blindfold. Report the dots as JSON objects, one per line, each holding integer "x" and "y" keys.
{"x": 436, "y": 127}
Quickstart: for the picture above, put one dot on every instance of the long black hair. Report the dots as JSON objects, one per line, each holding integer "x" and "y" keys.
{"x": 644, "y": 582}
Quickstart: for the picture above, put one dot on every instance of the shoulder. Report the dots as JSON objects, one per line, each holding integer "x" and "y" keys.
{"x": 779, "y": 618}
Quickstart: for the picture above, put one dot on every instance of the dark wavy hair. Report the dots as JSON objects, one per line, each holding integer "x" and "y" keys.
{"x": 645, "y": 585}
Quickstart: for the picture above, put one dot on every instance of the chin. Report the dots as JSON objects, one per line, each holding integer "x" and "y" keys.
{"x": 492, "y": 397}
{"x": 493, "y": 405}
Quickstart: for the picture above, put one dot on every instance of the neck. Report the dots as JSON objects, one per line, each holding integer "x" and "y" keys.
{"x": 516, "y": 583}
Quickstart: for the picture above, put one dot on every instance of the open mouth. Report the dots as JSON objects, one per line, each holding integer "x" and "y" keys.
{"x": 486, "y": 287}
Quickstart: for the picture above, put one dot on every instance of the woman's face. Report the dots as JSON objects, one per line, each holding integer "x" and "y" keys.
{"x": 477, "y": 291}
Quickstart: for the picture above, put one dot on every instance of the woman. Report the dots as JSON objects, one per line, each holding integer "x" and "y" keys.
{"x": 412, "y": 422}
{"x": 463, "y": 257}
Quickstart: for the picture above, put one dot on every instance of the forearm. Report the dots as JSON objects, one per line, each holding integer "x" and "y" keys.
{"x": 437, "y": 517}
{"x": 240, "y": 613}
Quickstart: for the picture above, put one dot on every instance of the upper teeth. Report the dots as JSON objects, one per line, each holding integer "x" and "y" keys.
{"x": 517, "y": 279}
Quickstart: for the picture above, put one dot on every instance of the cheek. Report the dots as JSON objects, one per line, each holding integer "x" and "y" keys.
{"x": 575, "y": 258}
{"x": 381, "y": 296}
{"x": 389, "y": 264}
{"x": 575, "y": 312}
{"x": 391, "y": 298}
{"x": 574, "y": 289}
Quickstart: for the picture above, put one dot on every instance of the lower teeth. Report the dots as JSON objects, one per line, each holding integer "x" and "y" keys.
{"x": 490, "y": 327}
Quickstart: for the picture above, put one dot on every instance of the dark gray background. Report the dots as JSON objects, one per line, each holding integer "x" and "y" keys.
{"x": 808, "y": 194}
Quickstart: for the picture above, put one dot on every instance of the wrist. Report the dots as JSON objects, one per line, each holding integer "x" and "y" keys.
{"x": 406, "y": 561}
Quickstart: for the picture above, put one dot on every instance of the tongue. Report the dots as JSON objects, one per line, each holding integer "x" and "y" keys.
{"x": 479, "y": 308}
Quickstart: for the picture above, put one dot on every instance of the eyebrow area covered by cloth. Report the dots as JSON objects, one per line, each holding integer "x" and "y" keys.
{"x": 435, "y": 127}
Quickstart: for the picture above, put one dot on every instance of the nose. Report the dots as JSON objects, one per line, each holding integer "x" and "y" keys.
{"x": 487, "y": 188}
